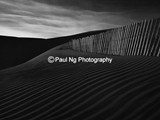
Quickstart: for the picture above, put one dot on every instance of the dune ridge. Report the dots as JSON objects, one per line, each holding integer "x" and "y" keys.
{"x": 126, "y": 89}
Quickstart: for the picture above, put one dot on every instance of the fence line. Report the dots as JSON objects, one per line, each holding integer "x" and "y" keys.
{"x": 137, "y": 39}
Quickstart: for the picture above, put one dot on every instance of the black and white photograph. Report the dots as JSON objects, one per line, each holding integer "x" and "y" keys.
{"x": 79, "y": 60}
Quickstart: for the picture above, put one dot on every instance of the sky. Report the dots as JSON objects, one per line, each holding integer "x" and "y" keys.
{"x": 56, "y": 18}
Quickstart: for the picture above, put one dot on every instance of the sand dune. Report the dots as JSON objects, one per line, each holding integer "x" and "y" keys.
{"x": 126, "y": 89}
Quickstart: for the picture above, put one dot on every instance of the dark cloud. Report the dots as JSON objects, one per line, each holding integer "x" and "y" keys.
{"x": 104, "y": 5}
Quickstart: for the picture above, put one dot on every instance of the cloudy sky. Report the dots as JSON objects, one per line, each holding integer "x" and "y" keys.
{"x": 55, "y": 18}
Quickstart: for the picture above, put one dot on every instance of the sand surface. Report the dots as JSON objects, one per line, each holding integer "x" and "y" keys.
{"x": 126, "y": 89}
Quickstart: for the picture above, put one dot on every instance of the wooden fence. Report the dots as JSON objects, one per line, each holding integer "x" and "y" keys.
{"x": 137, "y": 39}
